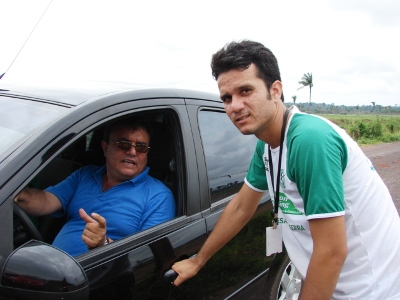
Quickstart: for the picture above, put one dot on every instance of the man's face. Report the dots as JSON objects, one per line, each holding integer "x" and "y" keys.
{"x": 123, "y": 165}
{"x": 247, "y": 101}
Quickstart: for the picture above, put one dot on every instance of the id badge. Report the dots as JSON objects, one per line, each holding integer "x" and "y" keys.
{"x": 274, "y": 240}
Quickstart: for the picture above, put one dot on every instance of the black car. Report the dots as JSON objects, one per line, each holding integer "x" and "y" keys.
{"x": 196, "y": 151}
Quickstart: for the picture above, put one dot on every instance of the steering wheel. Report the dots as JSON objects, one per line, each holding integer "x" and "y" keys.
{"x": 27, "y": 223}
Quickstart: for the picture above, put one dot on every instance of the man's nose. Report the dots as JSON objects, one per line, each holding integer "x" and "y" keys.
{"x": 132, "y": 150}
{"x": 237, "y": 103}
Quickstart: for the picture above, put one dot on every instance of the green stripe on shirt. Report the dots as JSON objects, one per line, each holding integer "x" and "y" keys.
{"x": 316, "y": 160}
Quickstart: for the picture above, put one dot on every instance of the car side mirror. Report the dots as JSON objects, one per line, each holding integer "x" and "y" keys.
{"x": 37, "y": 270}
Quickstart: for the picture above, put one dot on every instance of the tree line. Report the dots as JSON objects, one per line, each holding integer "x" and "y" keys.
{"x": 323, "y": 108}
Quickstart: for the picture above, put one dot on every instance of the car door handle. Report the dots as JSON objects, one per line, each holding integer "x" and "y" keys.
{"x": 170, "y": 276}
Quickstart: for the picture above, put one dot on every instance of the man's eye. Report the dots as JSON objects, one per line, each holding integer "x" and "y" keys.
{"x": 226, "y": 99}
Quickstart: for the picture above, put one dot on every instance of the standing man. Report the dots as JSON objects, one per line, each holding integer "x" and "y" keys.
{"x": 106, "y": 203}
{"x": 339, "y": 224}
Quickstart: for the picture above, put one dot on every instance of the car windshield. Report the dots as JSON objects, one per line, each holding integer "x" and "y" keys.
{"x": 19, "y": 118}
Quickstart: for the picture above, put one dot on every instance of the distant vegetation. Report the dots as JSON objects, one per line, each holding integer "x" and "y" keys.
{"x": 325, "y": 108}
{"x": 369, "y": 129}
{"x": 371, "y": 124}
{"x": 306, "y": 80}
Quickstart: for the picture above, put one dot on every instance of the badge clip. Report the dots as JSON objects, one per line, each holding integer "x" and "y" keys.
{"x": 275, "y": 221}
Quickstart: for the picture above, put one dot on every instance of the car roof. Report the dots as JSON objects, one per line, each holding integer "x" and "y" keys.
{"x": 73, "y": 94}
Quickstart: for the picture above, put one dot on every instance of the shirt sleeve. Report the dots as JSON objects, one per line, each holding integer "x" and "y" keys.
{"x": 65, "y": 190}
{"x": 317, "y": 158}
{"x": 256, "y": 177}
{"x": 160, "y": 208}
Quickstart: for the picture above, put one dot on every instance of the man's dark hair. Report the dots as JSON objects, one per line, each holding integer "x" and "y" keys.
{"x": 240, "y": 55}
{"x": 129, "y": 123}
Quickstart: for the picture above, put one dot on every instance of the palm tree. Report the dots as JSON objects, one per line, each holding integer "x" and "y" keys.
{"x": 306, "y": 80}
{"x": 294, "y": 99}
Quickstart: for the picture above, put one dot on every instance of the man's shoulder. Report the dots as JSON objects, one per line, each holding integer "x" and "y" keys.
{"x": 88, "y": 170}
{"x": 157, "y": 184}
{"x": 309, "y": 122}
{"x": 303, "y": 126}
{"x": 91, "y": 168}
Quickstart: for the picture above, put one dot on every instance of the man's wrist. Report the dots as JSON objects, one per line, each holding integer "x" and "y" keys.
{"x": 199, "y": 261}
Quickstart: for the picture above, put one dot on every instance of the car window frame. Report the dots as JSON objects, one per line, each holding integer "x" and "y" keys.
{"x": 100, "y": 118}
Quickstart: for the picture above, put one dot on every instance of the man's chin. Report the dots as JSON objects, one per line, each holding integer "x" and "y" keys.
{"x": 245, "y": 130}
{"x": 131, "y": 172}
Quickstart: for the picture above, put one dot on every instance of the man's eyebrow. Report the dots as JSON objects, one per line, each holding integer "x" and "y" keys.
{"x": 121, "y": 139}
{"x": 224, "y": 95}
{"x": 245, "y": 86}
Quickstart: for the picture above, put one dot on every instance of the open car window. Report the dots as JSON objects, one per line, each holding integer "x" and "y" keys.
{"x": 163, "y": 161}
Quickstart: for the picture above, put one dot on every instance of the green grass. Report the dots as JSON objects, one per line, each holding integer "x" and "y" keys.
{"x": 369, "y": 129}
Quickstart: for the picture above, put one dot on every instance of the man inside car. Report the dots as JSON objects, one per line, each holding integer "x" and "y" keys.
{"x": 106, "y": 203}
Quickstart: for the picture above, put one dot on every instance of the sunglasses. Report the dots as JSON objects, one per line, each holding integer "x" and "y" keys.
{"x": 126, "y": 145}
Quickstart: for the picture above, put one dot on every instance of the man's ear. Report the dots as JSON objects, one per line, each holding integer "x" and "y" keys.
{"x": 104, "y": 146}
{"x": 276, "y": 90}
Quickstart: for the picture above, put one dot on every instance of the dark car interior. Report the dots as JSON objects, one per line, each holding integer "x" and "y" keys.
{"x": 162, "y": 160}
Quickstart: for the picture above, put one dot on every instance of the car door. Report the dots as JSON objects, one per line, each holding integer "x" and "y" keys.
{"x": 134, "y": 266}
{"x": 150, "y": 254}
{"x": 227, "y": 154}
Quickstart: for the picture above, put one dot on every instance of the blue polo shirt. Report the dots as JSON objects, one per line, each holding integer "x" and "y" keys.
{"x": 129, "y": 207}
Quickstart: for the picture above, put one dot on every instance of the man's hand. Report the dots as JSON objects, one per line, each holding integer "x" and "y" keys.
{"x": 186, "y": 269}
{"x": 37, "y": 202}
{"x": 94, "y": 234}
{"x": 235, "y": 215}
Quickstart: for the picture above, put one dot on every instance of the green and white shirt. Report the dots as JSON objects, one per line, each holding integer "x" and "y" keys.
{"x": 325, "y": 174}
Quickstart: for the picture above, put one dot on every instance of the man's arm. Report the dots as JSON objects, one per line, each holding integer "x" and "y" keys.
{"x": 327, "y": 259}
{"x": 37, "y": 202}
{"x": 236, "y": 214}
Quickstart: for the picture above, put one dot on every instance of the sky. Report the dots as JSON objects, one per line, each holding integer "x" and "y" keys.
{"x": 351, "y": 47}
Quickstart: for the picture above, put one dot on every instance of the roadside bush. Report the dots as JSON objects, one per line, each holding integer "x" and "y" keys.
{"x": 369, "y": 129}
{"x": 375, "y": 129}
{"x": 393, "y": 126}
{"x": 355, "y": 132}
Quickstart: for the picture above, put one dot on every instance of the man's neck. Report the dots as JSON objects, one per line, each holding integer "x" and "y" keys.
{"x": 272, "y": 133}
{"x": 107, "y": 183}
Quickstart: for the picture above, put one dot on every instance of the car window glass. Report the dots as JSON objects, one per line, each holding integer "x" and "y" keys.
{"x": 228, "y": 153}
{"x": 18, "y": 119}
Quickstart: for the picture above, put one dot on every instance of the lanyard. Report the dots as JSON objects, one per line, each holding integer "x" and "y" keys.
{"x": 271, "y": 169}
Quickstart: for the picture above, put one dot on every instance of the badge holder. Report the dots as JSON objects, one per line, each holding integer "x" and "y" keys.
{"x": 274, "y": 233}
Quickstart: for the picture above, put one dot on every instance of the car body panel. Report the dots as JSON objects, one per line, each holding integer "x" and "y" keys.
{"x": 136, "y": 264}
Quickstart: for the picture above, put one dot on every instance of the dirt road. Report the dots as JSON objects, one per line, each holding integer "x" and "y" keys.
{"x": 386, "y": 160}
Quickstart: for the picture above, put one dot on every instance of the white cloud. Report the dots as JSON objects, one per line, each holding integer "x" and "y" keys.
{"x": 350, "y": 47}
{"x": 383, "y": 12}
